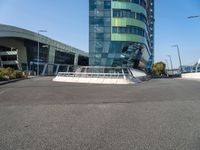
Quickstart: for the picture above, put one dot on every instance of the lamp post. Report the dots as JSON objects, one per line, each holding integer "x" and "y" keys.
{"x": 192, "y": 17}
{"x": 197, "y": 66}
{"x": 167, "y": 63}
{"x": 179, "y": 56}
{"x": 38, "y": 51}
{"x": 170, "y": 57}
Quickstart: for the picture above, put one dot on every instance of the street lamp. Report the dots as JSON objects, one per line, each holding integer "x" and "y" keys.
{"x": 38, "y": 51}
{"x": 197, "y": 66}
{"x": 191, "y": 17}
{"x": 170, "y": 57}
{"x": 167, "y": 63}
{"x": 179, "y": 56}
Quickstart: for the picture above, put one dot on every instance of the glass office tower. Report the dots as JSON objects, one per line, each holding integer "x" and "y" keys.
{"x": 121, "y": 33}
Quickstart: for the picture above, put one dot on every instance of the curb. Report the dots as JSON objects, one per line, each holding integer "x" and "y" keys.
{"x": 11, "y": 81}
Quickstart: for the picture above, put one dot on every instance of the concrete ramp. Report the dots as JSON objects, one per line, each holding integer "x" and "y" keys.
{"x": 92, "y": 80}
{"x": 102, "y": 75}
{"x": 138, "y": 74}
{"x": 191, "y": 75}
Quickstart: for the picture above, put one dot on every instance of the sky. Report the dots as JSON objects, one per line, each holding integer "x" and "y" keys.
{"x": 67, "y": 21}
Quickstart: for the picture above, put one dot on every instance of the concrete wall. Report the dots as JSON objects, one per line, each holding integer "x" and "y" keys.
{"x": 51, "y": 59}
{"x": 76, "y": 59}
{"x": 18, "y": 44}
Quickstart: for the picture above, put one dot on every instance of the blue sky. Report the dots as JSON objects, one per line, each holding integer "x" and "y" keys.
{"x": 67, "y": 21}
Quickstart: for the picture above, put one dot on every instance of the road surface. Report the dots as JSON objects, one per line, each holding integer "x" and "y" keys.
{"x": 155, "y": 115}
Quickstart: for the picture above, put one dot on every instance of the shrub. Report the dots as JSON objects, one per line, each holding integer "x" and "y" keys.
{"x": 159, "y": 68}
{"x": 1, "y": 76}
{"x": 18, "y": 74}
{"x": 9, "y": 73}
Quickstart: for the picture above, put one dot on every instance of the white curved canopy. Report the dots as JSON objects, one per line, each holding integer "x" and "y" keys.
{"x": 11, "y": 31}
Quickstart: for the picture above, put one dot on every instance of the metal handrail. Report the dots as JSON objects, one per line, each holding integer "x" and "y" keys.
{"x": 83, "y": 73}
{"x": 114, "y": 73}
{"x": 93, "y": 75}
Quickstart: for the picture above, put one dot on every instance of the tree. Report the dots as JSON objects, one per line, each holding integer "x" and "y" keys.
{"x": 159, "y": 68}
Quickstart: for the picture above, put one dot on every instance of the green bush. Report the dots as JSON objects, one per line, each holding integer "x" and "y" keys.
{"x": 18, "y": 74}
{"x": 1, "y": 76}
{"x": 9, "y": 73}
{"x": 159, "y": 68}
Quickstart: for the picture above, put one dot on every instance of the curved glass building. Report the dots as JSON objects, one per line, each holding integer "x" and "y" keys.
{"x": 121, "y": 33}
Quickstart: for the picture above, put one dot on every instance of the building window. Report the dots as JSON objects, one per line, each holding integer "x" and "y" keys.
{"x": 107, "y": 5}
{"x": 4, "y": 49}
{"x": 9, "y": 58}
{"x": 93, "y": 4}
{"x": 139, "y": 2}
{"x": 64, "y": 58}
{"x": 96, "y": 21}
{"x": 129, "y": 30}
{"x": 120, "y": 13}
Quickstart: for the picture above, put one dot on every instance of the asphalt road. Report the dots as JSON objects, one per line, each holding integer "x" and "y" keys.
{"x": 39, "y": 114}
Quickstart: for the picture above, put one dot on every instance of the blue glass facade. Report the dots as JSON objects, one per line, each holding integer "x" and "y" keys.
{"x": 121, "y": 33}
{"x": 100, "y": 31}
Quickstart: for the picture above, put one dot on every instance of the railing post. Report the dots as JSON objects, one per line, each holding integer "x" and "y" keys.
{"x": 123, "y": 74}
